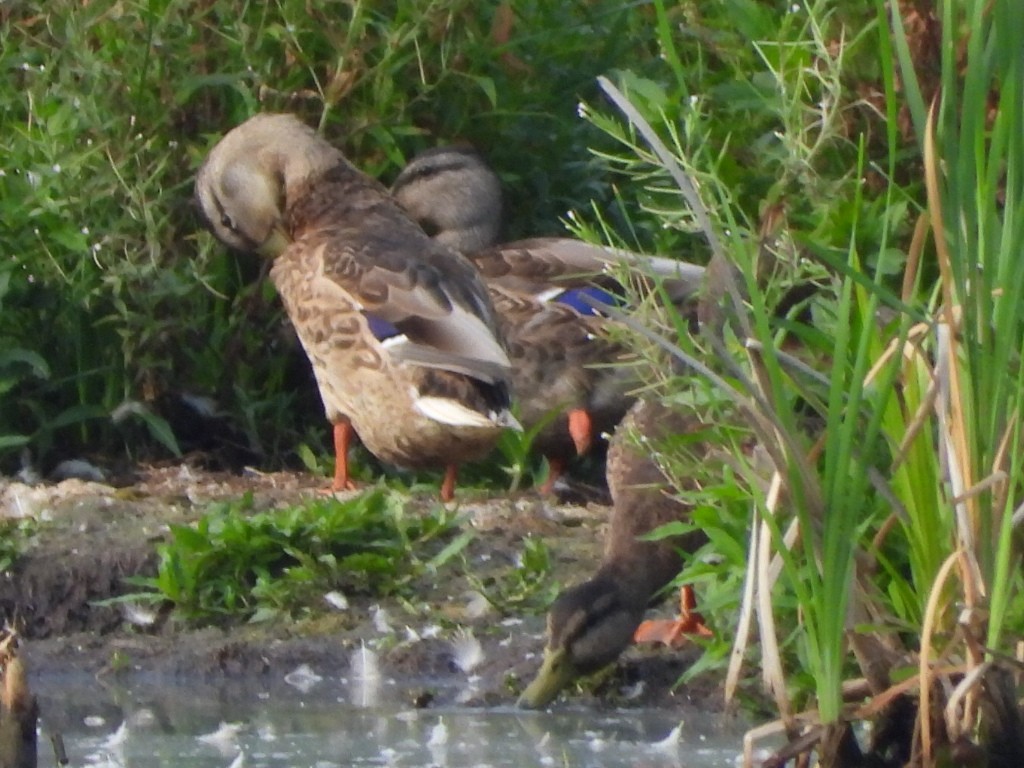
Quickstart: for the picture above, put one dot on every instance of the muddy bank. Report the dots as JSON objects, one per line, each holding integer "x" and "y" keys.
{"x": 87, "y": 538}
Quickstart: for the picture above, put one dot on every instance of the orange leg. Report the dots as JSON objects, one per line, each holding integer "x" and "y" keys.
{"x": 342, "y": 439}
{"x": 556, "y": 468}
{"x": 673, "y": 632}
{"x": 581, "y": 429}
{"x": 451, "y": 474}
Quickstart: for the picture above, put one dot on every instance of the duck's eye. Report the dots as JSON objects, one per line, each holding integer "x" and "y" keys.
{"x": 226, "y": 222}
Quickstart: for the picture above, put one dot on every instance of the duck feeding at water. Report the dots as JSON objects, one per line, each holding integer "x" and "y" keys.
{"x": 400, "y": 330}
{"x": 548, "y": 293}
{"x": 591, "y": 624}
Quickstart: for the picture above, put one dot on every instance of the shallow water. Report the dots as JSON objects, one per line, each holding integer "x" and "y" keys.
{"x": 147, "y": 723}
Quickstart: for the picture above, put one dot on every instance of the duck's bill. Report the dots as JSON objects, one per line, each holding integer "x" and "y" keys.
{"x": 555, "y": 673}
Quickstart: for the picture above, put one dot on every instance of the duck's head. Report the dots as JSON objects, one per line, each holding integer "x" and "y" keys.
{"x": 454, "y": 196}
{"x": 242, "y": 186}
{"x": 589, "y": 625}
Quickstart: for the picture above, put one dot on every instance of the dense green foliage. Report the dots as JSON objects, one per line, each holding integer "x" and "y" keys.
{"x": 235, "y": 562}
{"x": 866, "y": 503}
{"x": 114, "y": 303}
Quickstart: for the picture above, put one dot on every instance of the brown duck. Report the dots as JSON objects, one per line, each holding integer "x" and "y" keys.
{"x": 568, "y": 375}
{"x": 590, "y": 624}
{"x": 400, "y": 330}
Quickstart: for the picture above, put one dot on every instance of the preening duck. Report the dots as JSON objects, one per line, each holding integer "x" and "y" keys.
{"x": 400, "y": 330}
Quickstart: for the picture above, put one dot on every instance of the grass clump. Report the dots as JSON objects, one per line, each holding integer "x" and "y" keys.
{"x": 860, "y": 353}
{"x": 527, "y": 588}
{"x": 240, "y": 564}
{"x": 12, "y": 542}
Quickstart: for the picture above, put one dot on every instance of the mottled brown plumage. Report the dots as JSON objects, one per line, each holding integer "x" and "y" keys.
{"x": 399, "y": 329}
{"x": 568, "y": 374}
{"x": 564, "y": 364}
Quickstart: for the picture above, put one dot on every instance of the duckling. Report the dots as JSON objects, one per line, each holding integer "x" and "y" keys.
{"x": 590, "y": 624}
{"x": 543, "y": 289}
{"x": 400, "y": 330}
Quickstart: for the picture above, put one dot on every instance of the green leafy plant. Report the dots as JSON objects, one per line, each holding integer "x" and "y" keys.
{"x": 870, "y": 426}
{"x": 12, "y": 542}
{"x": 234, "y": 562}
{"x": 527, "y": 587}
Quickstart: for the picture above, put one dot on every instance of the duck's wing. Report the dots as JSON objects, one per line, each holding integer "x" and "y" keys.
{"x": 541, "y": 266}
{"x": 425, "y": 303}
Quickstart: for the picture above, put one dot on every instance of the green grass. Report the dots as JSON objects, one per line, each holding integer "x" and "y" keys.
{"x": 234, "y": 563}
{"x": 875, "y": 514}
{"x": 527, "y": 588}
{"x": 110, "y": 107}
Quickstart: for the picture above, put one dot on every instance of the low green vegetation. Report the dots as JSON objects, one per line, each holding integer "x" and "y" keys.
{"x": 859, "y": 363}
{"x": 12, "y": 541}
{"x": 237, "y": 563}
{"x": 525, "y": 589}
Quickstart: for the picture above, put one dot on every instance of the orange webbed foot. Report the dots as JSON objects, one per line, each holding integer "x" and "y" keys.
{"x": 674, "y": 632}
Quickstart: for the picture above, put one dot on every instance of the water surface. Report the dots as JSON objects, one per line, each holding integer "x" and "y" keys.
{"x": 335, "y": 723}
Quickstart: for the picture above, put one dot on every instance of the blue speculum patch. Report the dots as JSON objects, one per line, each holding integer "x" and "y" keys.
{"x": 381, "y": 329}
{"x": 577, "y": 299}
